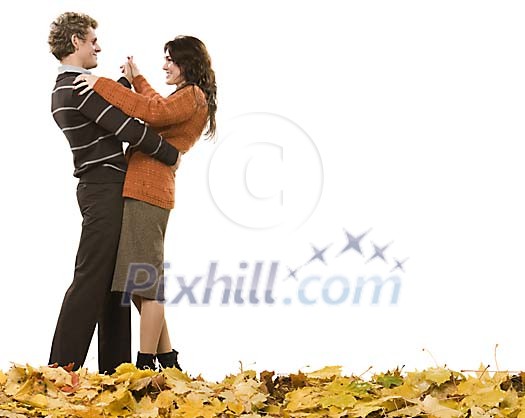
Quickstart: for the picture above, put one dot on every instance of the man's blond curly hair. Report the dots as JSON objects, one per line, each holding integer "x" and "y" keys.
{"x": 63, "y": 28}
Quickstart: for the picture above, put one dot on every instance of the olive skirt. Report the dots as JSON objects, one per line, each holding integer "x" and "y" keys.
{"x": 139, "y": 269}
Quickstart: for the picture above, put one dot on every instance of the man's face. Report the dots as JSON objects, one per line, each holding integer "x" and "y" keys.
{"x": 88, "y": 50}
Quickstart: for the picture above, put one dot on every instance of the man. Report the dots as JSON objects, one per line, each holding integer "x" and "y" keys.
{"x": 95, "y": 131}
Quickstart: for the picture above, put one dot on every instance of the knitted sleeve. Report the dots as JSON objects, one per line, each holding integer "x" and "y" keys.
{"x": 155, "y": 109}
{"x": 126, "y": 129}
{"x": 143, "y": 87}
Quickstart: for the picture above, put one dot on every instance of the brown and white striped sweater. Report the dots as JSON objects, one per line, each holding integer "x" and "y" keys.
{"x": 95, "y": 130}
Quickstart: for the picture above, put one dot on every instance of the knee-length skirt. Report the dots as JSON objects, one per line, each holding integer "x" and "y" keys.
{"x": 139, "y": 269}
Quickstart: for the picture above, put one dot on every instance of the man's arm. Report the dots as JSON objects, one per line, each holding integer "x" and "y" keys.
{"x": 125, "y": 82}
{"x": 125, "y": 128}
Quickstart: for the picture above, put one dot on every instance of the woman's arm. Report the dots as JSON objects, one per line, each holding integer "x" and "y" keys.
{"x": 152, "y": 108}
{"x": 156, "y": 110}
{"x": 142, "y": 86}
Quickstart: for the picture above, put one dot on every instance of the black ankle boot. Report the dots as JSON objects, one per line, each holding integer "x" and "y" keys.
{"x": 169, "y": 360}
{"x": 145, "y": 361}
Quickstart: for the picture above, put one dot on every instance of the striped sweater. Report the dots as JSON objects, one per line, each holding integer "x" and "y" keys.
{"x": 95, "y": 131}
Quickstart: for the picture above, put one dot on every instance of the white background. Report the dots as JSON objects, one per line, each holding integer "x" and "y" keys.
{"x": 416, "y": 109}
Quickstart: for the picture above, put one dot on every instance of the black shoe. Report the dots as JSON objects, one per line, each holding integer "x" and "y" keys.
{"x": 145, "y": 361}
{"x": 168, "y": 360}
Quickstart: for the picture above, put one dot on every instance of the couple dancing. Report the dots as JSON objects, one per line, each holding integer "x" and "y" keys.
{"x": 124, "y": 198}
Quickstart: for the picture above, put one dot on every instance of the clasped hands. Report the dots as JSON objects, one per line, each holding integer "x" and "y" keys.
{"x": 87, "y": 81}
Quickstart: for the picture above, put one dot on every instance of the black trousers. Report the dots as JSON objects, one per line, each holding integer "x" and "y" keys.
{"x": 89, "y": 301}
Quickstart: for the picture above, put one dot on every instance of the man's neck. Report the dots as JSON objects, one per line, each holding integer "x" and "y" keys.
{"x": 72, "y": 60}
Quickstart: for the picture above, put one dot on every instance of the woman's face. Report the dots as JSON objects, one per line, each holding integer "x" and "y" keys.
{"x": 173, "y": 71}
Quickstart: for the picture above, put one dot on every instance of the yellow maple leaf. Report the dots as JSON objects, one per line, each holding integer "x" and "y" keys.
{"x": 235, "y": 406}
{"x": 122, "y": 404}
{"x": 95, "y": 379}
{"x": 57, "y": 375}
{"x": 232, "y": 403}
{"x": 391, "y": 403}
{"x": 87, "y": 394}
{"x": 146, "y": 408}
{"x": 178, "y": 386}
{"x": 131, "y": 374}
{"x": 481, "y": 392}
{"x": 176, "y": 374}
{"x": 165, "y": 399}
{"x": 489, "y": 397}
{"x": 363, "y": 409}
{"x": 325, "y": 373}
{"x": 3, "y": 378}
{"x": 432, "y": 406}
{"x": 140, "y": 383}
{"x": 437, "y": 375}
{"x": 38, "y": 401}
{"x": 406, "y": 390}
{"x": 407, "y": 411}
{"x": 248, "y": 392}
{"x": 340, "y": 400}
{"x": 302, "y": 399}
{"x": 125, "y": 368}
{"x": 341, "y": 385}
{"x": 28, "y": 388}
{"x": 245, "y": 375}
{"x": 482, "y": 371}
{"x": 16, "y": 377}
{"x": 194, "y": 407}
{"x": 417, "y": 380}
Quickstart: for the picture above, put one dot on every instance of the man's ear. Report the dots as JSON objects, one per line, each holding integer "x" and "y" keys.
{"x": 75, "y": 41}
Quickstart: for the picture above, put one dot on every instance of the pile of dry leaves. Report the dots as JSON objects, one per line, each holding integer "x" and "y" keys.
{"x": 435, "y": 392}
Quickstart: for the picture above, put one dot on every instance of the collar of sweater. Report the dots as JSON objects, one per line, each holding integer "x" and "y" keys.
{"x": 64, "y": 68}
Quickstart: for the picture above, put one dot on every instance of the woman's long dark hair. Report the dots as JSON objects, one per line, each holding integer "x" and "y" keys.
{"x": 191, "y": 55}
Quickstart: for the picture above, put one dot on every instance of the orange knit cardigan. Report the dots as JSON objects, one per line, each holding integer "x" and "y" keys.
{"x": 180, "y": 118}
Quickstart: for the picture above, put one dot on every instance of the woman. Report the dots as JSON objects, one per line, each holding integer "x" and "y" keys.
{"x": 149, "y": 186}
